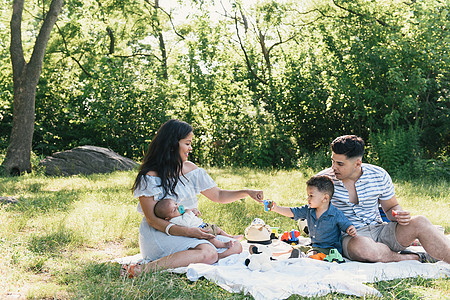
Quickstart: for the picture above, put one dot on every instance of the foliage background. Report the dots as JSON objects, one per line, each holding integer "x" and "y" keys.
{"x": 264, "y": 83}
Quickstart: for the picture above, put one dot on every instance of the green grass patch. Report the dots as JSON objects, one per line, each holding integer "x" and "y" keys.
{"x": 57, "y": 241}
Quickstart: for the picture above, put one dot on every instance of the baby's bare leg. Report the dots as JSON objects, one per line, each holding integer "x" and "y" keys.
{"x": 220, "y": 244}
{"x": 237, "y": 237}
{"x": 235, "y": 249}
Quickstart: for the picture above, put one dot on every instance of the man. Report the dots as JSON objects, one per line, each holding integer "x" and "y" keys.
{"x": 359, "y": 190}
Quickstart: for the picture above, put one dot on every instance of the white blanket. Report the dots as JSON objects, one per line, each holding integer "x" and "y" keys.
{"x": 304, "y": 276}
{"x": 309, "y": 277}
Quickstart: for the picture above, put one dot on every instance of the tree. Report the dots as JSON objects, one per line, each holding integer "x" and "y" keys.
{"x": 25, "y": 79}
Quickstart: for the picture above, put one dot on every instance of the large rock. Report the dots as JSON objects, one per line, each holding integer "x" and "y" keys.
{"x": 86, "y": 160}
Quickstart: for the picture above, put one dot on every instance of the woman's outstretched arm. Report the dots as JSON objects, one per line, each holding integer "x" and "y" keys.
{"x": 225, "y": 196}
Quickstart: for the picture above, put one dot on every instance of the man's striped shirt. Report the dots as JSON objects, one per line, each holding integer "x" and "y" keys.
{"x": 373, "y": 186}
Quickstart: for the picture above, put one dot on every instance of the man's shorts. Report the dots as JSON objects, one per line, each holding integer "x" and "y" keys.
{"x": 381, "y": 233}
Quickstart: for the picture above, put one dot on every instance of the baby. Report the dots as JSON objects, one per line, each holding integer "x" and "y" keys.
{"x": 171, "y": 211}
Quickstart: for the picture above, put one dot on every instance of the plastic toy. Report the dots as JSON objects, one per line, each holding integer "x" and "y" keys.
{"x": 394, "y": 213}
{"x": 274, "y": 233}
{"x": 334, "y": 256}
{"x": 318, "y": 256}
{"x": 258, "y": 233}
{"x": 260, "y": 258}
{"x": 303, "y": 225}
{"x": 291, "y": 237}
{"x": 268, "y": 205}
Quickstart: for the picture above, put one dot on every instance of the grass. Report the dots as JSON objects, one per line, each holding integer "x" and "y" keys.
{"x": 57, "y": 241}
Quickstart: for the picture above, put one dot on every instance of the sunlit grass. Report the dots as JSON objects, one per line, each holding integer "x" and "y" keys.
{"x": 56, "y": 242}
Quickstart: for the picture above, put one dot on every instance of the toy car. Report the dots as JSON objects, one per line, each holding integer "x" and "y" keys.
{"x": 291, "y": 237}
{"x": 334, "y": 256}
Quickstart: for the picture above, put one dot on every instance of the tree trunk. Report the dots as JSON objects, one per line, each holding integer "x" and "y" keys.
{"x": 25, "y": 79}
{"x": 162, "y": 44}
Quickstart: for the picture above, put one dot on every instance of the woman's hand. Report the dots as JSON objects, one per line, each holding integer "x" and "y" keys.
{"x": 256, "y": 195}
{"x": 198, "y": 233}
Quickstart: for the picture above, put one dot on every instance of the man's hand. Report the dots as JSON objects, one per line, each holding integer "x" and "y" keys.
{"x": 402, "y": 217}
{"x": 351, "y": 230}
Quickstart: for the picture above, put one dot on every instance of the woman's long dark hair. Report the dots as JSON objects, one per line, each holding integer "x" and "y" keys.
{"x": 163, "y": 156}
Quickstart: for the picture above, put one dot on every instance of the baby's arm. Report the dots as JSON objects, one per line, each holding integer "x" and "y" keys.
{"x": 285, "y": 211}
{"x": 195, "y": 211}
{"x": 351, "y": 230}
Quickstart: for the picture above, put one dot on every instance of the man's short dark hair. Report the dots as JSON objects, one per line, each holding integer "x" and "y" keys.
{"x": 323, "y": 183}
{"x": 349, "y": 145}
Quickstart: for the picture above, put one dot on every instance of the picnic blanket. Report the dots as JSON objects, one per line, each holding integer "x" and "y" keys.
{"x": 304, "y": 276}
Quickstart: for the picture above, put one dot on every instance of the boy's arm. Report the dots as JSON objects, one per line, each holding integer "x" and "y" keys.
{"x": 285, "y": 211}
{"x": 345, "y": 224}
{"x": 351, "y": 230}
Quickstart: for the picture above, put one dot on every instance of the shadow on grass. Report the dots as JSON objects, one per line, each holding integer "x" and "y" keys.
{"x": 102, "y": 281}
{"x": 44, "y": 202}
{"x": 8, "y": 183}
{"x": 52, "y": 243}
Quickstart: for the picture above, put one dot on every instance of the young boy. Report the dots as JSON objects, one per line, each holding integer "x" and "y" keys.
{"x": 171, "y": 211}
{"x": 325, "y": 222}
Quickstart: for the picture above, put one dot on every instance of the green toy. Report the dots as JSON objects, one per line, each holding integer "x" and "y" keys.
{"x": 334, "y": 256}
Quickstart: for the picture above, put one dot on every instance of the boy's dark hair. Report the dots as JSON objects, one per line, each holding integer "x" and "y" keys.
{"x": 323, "y": 183}
{"x": 159, "y": 208}
{"x": 349, "y": 145}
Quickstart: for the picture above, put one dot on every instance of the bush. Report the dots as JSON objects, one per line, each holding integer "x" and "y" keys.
{"x": 399, "y": 153}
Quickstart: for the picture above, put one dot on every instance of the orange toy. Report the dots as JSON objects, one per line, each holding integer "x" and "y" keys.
{"x": 291, "y": 237}
{"x": 318, "y": 256}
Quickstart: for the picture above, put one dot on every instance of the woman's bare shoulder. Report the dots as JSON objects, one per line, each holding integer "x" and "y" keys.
{"x": 152, "y": 173}
{"x": 189, "y": 166}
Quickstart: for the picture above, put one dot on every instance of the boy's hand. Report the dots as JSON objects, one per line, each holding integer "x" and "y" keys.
{"x": 269, "y": 205}
{"x": 274, "y": 205}
{"x": 351, "y": 230}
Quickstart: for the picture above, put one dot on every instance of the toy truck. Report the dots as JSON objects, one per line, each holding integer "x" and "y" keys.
{"x": 334, "y": 256}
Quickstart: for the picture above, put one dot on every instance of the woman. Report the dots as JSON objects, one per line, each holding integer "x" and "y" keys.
{"x": 166, "y": 171}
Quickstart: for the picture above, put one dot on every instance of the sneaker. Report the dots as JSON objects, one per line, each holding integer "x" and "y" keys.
{"x": 423, "y": 256}
{"x": 295, "y": 253}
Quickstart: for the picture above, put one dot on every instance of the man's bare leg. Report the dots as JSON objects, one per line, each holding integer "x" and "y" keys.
{"x": 432, "y": 240}
{"x": 364, "y": 249}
